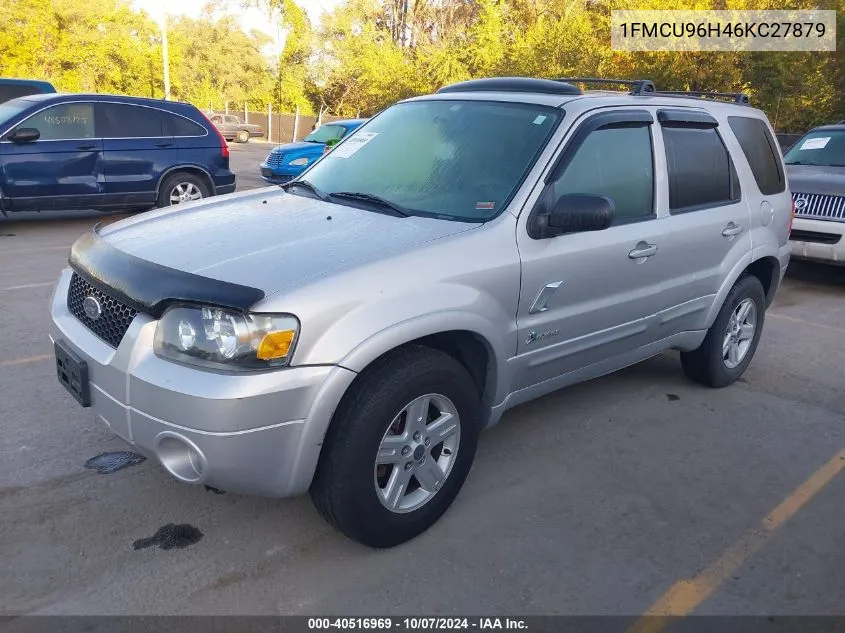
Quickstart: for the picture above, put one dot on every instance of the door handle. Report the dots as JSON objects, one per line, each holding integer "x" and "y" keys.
{"x": 643, "y": 250}
{"x": 86, "y": 146}
{"x": 732, "y": 229}
{"x": 164, "y": 144}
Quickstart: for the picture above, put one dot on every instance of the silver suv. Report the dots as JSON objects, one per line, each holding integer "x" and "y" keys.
{"x": 352, "y": 333}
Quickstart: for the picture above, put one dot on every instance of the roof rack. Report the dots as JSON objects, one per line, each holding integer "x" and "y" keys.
{"x": 513, "y": 84}
{"x": 736, "y": 97}
{"x": 638, "y": 86}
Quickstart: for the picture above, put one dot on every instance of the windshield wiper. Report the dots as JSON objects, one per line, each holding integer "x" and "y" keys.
{"x": 374, "y": 199}
{"x": 322, "y": 195}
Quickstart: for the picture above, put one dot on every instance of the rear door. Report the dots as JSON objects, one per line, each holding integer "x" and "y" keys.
{"x": 710, "y": 217}
{"x": 62, "y": 169}
{"x": 136, "y": 151}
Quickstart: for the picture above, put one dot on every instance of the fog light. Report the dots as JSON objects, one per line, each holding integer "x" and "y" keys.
{"x": 180, "y": 457}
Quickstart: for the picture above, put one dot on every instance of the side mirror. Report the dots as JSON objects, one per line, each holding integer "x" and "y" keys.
{"x": 24, "y": 135}
{"x": 575, "y": 213}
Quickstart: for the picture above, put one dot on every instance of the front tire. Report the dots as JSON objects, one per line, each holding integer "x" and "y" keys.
{"x": 399, "y": 449}
{"x": 731, "y": 341}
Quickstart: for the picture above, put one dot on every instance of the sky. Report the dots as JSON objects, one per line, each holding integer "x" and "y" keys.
{"x": 250, "y": 18}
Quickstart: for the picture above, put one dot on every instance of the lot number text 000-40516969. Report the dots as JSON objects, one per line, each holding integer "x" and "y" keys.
{"x": 417, "y": 624}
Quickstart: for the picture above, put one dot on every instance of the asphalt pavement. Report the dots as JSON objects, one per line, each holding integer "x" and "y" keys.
{"x": 639, "y": 492}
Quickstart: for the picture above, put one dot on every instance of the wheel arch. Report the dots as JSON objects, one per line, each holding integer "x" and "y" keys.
{"x": 196, "y": 170}
{"x": 765, "y": 268}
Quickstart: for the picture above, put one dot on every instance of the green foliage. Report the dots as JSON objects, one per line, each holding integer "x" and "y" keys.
{"x": 366, "y": 54}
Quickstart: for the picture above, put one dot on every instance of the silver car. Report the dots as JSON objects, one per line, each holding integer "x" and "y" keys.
{"x": 351, "y": 333}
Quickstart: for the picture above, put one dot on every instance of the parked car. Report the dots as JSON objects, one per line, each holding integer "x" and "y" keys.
{"x": 14, "y": 88}
{"x": 459, "y": 254}
{"x": 815, "y": 168}
{"x": 233, "y": 129}
{"x": 77, "y": 151}
{"x": 286, "y": 162}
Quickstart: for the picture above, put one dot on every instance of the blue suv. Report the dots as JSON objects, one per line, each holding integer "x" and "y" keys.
{"x": 286, "y": 162}
{"x": 74, "y": 151}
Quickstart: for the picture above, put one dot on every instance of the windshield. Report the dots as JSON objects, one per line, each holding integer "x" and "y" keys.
{"x": 326, "y": 133}
{"x": 822, "y": 148}
{"x": 460, "y": 160}
{"x": 12, "y": 108}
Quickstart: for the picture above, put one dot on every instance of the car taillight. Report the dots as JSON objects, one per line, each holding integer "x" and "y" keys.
{"x": 792, "y": 215}
{"x": 224, "y": 146}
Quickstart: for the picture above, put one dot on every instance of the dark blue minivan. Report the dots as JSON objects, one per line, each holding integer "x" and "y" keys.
{"x": 74, "y": 151}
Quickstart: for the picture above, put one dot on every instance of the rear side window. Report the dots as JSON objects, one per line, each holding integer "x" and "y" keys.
{"x": 118, "y": 120}
{"x": 175, "y": 125}
{"x": 760, "y": 151}
{"x": 9, "y": 91}
{"x": 701, "y": 172}
{"x": 68, "y": 121}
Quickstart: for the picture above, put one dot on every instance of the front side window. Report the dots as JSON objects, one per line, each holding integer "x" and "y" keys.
{"x": 617, "y": 163}
{"x": 326, "y": 133}
{"x": 68, "y": 121}
{"x": 232, "y": 119}
{"x": 823, "y": 148}
{"x": 701, "y": 172}
{"x": 116, "y": 120}
{"x": 460, "y": 160}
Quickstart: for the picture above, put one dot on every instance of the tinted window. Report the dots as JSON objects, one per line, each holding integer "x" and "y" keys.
{"x": 175, "y": 125}
{"x": 819, "y": 147}
{"x": 127, "y": 121}
{"x": 66, "y": 121}
{"x": 700, "y": 168}
{"x": 232, "y": 119}
{"x": 8, "y": 91}
{"x": 454, "y": 159}
{"x": 760, "y": 151}
{"x": 616, "y": 163}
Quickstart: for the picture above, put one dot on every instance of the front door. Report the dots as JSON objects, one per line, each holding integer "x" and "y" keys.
{"x": 60, "y": 170}
{"x": 136, "y": 152}
{"x": 591, "y": 296}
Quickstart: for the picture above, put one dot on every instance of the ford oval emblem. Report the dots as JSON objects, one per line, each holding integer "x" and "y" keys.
{"x": 92, "y": 308}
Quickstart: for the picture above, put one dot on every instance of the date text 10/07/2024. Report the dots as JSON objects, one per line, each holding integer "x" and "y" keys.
{"x": 416, "y": 624}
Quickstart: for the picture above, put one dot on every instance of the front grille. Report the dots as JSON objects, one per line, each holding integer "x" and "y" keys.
{"x": 819, "y": 206}
{"x": 275, "y": 160}
{"x": 814, "y": 236}
{"x": 115, "y": 319}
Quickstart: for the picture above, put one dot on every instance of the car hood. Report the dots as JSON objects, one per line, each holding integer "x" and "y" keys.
{"x": 298, "y": 148}
{"x": 816, "y": 179}
{"x": 271, "y": 240}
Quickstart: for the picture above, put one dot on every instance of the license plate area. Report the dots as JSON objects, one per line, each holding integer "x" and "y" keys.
{"x": 72, "y": 372}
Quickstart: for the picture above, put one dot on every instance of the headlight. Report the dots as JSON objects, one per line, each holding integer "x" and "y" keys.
{"x": 299, "y": 161}
{"x": 224, "y": 339}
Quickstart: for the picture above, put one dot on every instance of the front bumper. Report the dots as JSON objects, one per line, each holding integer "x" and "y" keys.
{"x": 280, "y": 175}
{"x": 818, "y": 240}
{"x": 253, "y": 433}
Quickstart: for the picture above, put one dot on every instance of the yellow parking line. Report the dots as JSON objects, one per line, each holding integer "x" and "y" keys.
{"x": 23, "y": 361}
{"x": 785, "y": 317}
{"x": 684, "y": 596}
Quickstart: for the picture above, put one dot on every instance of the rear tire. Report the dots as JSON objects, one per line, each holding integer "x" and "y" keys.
{"x": 180, "y": 187}
{"x": 731, "y": 341}
{"x": 381, "y": 504}
{"x": 243, "y": 136}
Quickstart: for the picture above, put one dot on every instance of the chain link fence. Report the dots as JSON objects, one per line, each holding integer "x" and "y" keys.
{"x": 279, "y": 127}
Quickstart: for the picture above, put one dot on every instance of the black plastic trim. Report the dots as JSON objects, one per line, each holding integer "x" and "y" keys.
{"x": 149, "y": 287}
{"x": 513, "y": 84}
{"x": 686, "y": 118}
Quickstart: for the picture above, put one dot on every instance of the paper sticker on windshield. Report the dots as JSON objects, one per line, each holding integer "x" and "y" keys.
{"x": 486, "y": 206}
{"x": 539, "y": 120}
{"x": 353, "y": 144}
{"x": 814, "y": 143}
